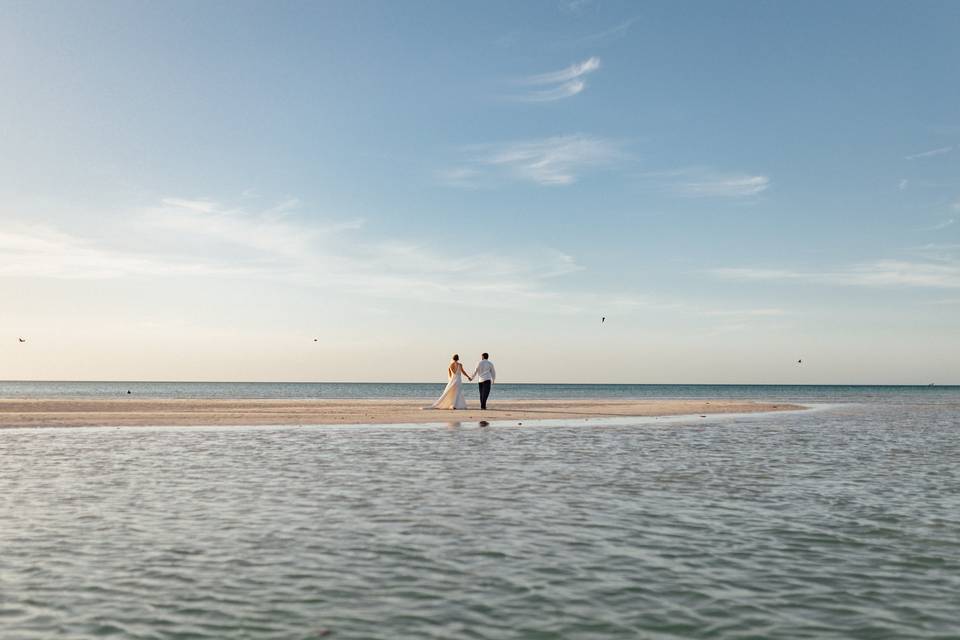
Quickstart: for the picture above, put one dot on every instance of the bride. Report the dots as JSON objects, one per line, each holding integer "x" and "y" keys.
{"x": 452, "y": 396}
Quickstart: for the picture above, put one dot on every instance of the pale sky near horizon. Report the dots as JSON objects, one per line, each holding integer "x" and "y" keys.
{"x": 198, "y": 190}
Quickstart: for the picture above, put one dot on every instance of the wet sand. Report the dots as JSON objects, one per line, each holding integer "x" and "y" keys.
{"x": 137, "y": 412}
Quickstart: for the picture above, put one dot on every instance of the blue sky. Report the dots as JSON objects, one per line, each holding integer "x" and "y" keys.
{"x": 197, "y": 190}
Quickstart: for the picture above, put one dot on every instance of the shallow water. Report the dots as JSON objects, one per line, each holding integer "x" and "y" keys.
{"x": 836, "y": 523}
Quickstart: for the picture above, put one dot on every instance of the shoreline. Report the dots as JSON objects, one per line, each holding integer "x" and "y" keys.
{"x": 133, "y": 412}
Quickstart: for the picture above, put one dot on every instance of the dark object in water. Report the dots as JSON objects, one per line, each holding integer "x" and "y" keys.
{"x": 128, "y": 391}
{"x": 484, "y": 423}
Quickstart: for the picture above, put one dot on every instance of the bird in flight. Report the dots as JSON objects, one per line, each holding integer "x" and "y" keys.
{"x": 603, "y": 319}
{"x": 799, "y": 361}
{"x": 314, "y": 339}
{"x": 21, "y": 339}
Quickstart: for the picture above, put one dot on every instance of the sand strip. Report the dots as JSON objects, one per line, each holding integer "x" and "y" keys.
{"x": 138, "y": 412}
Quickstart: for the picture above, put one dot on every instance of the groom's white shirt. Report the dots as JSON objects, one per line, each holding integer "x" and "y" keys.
{"x": 485, "y": 371}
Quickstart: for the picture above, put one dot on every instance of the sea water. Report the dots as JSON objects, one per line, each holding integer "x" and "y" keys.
{"x": 380, "y": 390}
{"x": 839, "y": 522}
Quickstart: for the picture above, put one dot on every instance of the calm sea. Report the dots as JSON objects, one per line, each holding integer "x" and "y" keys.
{"x": 839, "y": 522}
{"x": 349, "y": 390}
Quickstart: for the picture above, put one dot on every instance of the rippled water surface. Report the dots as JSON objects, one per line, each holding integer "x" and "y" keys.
{"x": 839, "y": 522}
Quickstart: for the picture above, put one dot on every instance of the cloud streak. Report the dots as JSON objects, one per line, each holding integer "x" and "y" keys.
{"x": 43, "y": 252}
{"x": 209, "y": 241}
{"x": 705, "y": 183}
{"x": 729, "y": 186}
{"x": 880, "y": 273}
{"x": 941, "y": 225}
{"x": 565, "y": 75}
{"x": 565, "y": 90}
{"x": 553, "y": 161}
{"x": 561, "y": 84}
{"x": 929, "y": 154}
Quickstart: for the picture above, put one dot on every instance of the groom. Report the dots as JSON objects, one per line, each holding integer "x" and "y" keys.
{"x": 486, "y": 375}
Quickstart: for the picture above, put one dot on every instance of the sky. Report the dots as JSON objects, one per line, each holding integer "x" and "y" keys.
{"x": 353, "y": 191}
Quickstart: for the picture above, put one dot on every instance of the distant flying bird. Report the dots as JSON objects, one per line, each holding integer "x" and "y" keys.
{"x": 799, "y": 361}
{"x": 314, "y": 339}
{"x": 21, "y": 339}
{"x": 603, "y": 319}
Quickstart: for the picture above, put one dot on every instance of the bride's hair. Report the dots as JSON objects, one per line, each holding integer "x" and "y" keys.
{"x": 456, "y": 358}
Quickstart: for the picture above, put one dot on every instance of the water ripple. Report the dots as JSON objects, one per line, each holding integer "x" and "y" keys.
{"x": 841, "y": 523}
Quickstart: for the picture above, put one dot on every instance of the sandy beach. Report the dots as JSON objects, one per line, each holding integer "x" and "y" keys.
{"x": 168, "y": 412}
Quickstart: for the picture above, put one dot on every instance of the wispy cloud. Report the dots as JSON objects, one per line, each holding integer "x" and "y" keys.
{"x": 746, "y": 313}
{"x": 207, "y": 240}
{"x": 880, "y": 273}
{"x": 565, "y": 90}
{"x": 730, "y": 186}
{"x": 904, "y": 183}
{"x": 560, "y": 84}
{"x": 706, "y": 183}
{"x": 574, "y": 6}
{"x": 44, "y": 252}
{"x": 929, "y": 154}
{"x": 941, "y": 225}
{"x": 564, "y": 75}
{"x": 274, "y": 229}
{"x": 554, "y": 161}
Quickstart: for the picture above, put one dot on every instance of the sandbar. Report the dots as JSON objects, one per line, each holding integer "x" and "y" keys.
{"x": 133, "y": 412}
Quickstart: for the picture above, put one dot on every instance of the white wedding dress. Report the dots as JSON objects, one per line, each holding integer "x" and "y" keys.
{"x": 452, "y": 396}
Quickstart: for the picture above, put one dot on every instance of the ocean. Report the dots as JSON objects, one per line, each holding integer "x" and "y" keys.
{"x": 838, "y": 522}
{"x": 373, "y": 390}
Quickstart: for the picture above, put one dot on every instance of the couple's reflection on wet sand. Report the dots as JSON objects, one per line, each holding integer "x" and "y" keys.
{"x": 457, "y": 425}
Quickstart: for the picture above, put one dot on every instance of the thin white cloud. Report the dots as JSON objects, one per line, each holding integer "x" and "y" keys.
{"x": 205, "y": 239}
{"x": 565, "y": 90}
{"x": 274, "y": 229}
{"x": 902, "y": 186}
{"x": 466, "y": 177}
{"x": 199, "y": 206}
{"x": 756, "y": 313}
{"x": 929, "y": 154}
{"x": 574, "y": 6}
{"x": 553, "y": 161}
{"x": 565, "y": 75}
{"x": 880, "y": 273}
{"x": 44, "y": 252}
{"x": 956, "y": 205}
{"x": 562, "y": 84}
{"x": 706, "y": 183}
{"x": 942, "y": 225}
{"x": 730, "y": 186}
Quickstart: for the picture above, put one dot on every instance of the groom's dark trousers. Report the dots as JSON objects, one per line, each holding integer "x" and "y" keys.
{"x": 485, "y": 392}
